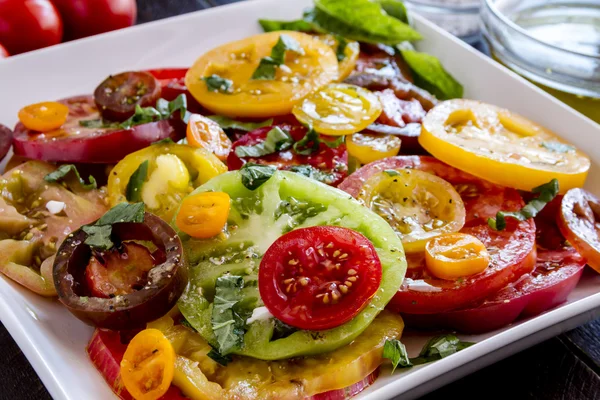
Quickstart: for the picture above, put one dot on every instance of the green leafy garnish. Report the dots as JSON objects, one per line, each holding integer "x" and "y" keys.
{"x": 360, "y": 20}
{"x": 547, "y": 192}
{"x": 431, "y": 75}
{"x": 227, "y": 325}
{"x": 395, "y": 351}
{"x": 395, "y": 8}
{"x": 167, "y": 108}
{"x": 300, "y": 25}
{"x": 266, "y": 67}
{"x": 276, "y": 140}
{"x": 219, "y": 358}
{"x": 164, "y": 141}
{"x": 228, "y": 123}
{"x": 99, "y": 233}
{"x": 133, "y": 192}
{"x": 391, "y": 172}
{"x": 187, "y": 324}
{"x": 215, "y": 83}
{"x": 313, "y": 173}
{"x": 340, "y": 52}
{"x": 558, "y": 147}
{"x": 62, "y": 173}
{"x": 254, "y": 175}
{"x": 311, "y": 141}
{"x": 97, "y": 123}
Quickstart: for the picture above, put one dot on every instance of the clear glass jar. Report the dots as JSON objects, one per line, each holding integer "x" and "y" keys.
{"x": 553, "y": 43}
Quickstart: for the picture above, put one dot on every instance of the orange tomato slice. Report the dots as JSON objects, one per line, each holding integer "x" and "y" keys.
{"x": 205, "y": 133}
{"x": 203, "y": 215}
{"x": 456, "y": 255}
{"x": 44, "y": 117}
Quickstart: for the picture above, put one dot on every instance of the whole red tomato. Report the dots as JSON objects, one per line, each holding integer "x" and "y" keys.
{"x": 89, "y": 17}
{"x": 3, "y": 52}
{"x": 27, "y": 25}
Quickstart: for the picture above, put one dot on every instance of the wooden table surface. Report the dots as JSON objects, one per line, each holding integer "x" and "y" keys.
{"x": 566, "y": 367}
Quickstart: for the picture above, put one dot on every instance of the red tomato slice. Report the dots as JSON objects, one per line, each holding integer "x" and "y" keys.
{"x": 75, "y": 143}
{"x": 333, "y": 162}
{"x": 557, "y": 272}
{"x": 512, "y": 250}
{"x": 319, "y": 277}
{"x": 172, "y": 82}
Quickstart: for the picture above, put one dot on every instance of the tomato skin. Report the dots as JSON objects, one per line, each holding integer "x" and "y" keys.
{"x": 27, "y": 25}
{"x": 3, "y": 52}
{"x": 6, "y": 136}
{"x": 330, "y": 160}
{"x": 84, "y": 18}
{"x": 319, "y": 277}
{"x": 93, "y": 145}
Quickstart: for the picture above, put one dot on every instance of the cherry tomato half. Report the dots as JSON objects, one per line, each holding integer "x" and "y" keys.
{"x": 203, "y": 215}
{"x": 319, "y": 277}
{"x": 206, "y": 133}
{"x": 455, "y": 255}
{"x": 44, "y": 117}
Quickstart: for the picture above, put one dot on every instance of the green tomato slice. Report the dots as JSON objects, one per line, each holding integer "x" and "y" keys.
{"x": 257, "y": 218}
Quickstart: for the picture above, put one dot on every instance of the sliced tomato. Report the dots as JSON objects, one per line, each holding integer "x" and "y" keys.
{"x": 333, "y": 162}
{"x": 319, "y": 277}
{"x": 512, "y": 251}
{"x": 75, "y": 143}
{"x": 172, "y": 83}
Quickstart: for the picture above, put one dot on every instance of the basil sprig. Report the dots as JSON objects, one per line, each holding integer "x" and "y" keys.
{"x": 62, "y": 173}
{"x": 267, "y": 66}
{"x": 227, "y": 325}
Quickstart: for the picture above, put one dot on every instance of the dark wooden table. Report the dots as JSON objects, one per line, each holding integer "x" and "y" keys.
{"x": 566, "y": 367}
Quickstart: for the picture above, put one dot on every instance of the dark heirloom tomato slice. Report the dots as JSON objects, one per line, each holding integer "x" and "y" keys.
{"x": 333, "y": 162}
{"x": 172, "y": 83}
{"x": 319, "y": 277}
{"x": 6, "y": 136}
{"x": 118, "y": 95}
{"x": 512, "y": 251}
{"x": 579, "y": 222}
{"x": 557, "y": 272}
{"x": 164, "y": 283}
{"x": 75, "y": 143}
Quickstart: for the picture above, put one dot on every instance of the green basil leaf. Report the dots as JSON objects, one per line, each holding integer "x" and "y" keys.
{"x": 164, "y": 141}
{"x": 395, "y": 351}
{"x": 558, "y": 147}
{"x": 215, "y": 83}
{"x": 219, "y": 358}
{"x": 254, "y": 175}
{"x": 133, "y": 192}
{"x": 313, "y": 173}
{"x": 99, "y": 233}
{"x": 360, "y": 20}
{"x": 391, "y": 172}
{"x": 228, "y": 123}
{"x": 187, "y": 324}
{"x": 226, "y": 325}
{"x": 62, "y": 173}
{"x": 310, "y": 143}
{"x": 440, "y": 347}
{"x": 164, "y": 109}
{"x": 340, "y": 52}
{"x": 276, "y": 140}
{"x": 167, "y": 108}
{"x": 97, "y": 123}
{"x": 395, "y": 8}
{"x": 98, "y": 237}
{"x": 141, "y": 116}
{"x": 267, "y": 66}
{"x": 547, "y": 192}
{"x": 431, "y": 75}
{"x": 300, "y": 25}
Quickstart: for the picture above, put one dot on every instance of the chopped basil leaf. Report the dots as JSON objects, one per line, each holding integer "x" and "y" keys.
{"x": 440, "y": 347}
{"x": 61, "y": 174}
{"x": 313, "y": 173}
{"x": 98, "y": 237}
{"x": 228, "y": 123}
{"x": 187, "y": 324}
{"x": 558, "y": 147}
{"x": 392, "y": 172}
{"x": 340, "y": 52}
{"x": 220, "y": 359}
{"x": 227, "y": 325}
{"x": 310, "y": 143}
{"x": 266, "y": 67}
{"x": 547, "y": 192}
{"x": 99, "y": 233}
{"x": 167, "y": 108}
{"x": 300, "y": 25}
{"x": 395, "y": 8}
{"x": 431, "y": 75}
{"x": 133, "y": 192}
{"x": 215, "y": 83}
{"x": 97, "y": 123}
{"x": 164, "y": 141}
{"x": 254, "y": 175}
{"x": 141, "y": 116}
{"x": 164, "y": 109}
{"x": 395, "y": 351}
{"x": 276, "y": 140}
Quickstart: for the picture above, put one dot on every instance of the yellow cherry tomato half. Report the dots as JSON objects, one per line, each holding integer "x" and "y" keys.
{"x": 148, "y": 364}
{"x": 203, "y": 215}
{"x": 500, "y": 146}
{"x": 246, "y": 97}
{"x": 369, "y": 147}
{"x": 205, "y": 133}
{"x": 416, "y": 204}
{"x": 44, "y": 117}
{"x": 455, "y": 255}
{"x": 339, "y": 109}
{"x": 350, "y": 54}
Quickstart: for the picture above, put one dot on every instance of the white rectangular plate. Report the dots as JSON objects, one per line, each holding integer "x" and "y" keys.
{"x": 54, "y": 341}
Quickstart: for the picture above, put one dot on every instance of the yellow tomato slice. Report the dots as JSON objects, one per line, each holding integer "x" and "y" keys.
{"x": 351, "y": 52}
{"x": 203, "y": 215}
{"x": 369, "y": 147}
{"x": 456, "y": 255}
{"x": 416, "y": 204}
{"x": 148, "y": 364}
{"x": 44, "y": 117}
{"x": 500, "y": 146}
{"x": 236, "y": 61}
{"x": 339, "y": 109}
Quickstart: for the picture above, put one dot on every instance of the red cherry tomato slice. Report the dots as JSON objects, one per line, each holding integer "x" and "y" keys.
{"x": 333, "y": 162}
{"x": 319, "y": 277}
{"x": 75, "y": 143}
{"x": 512, "y": 251}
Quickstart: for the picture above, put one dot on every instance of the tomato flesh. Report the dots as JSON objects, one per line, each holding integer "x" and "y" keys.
{"x": 319, "y": 277}
{"x": 512, "y": 251}
{"x": 332, "y": 161}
